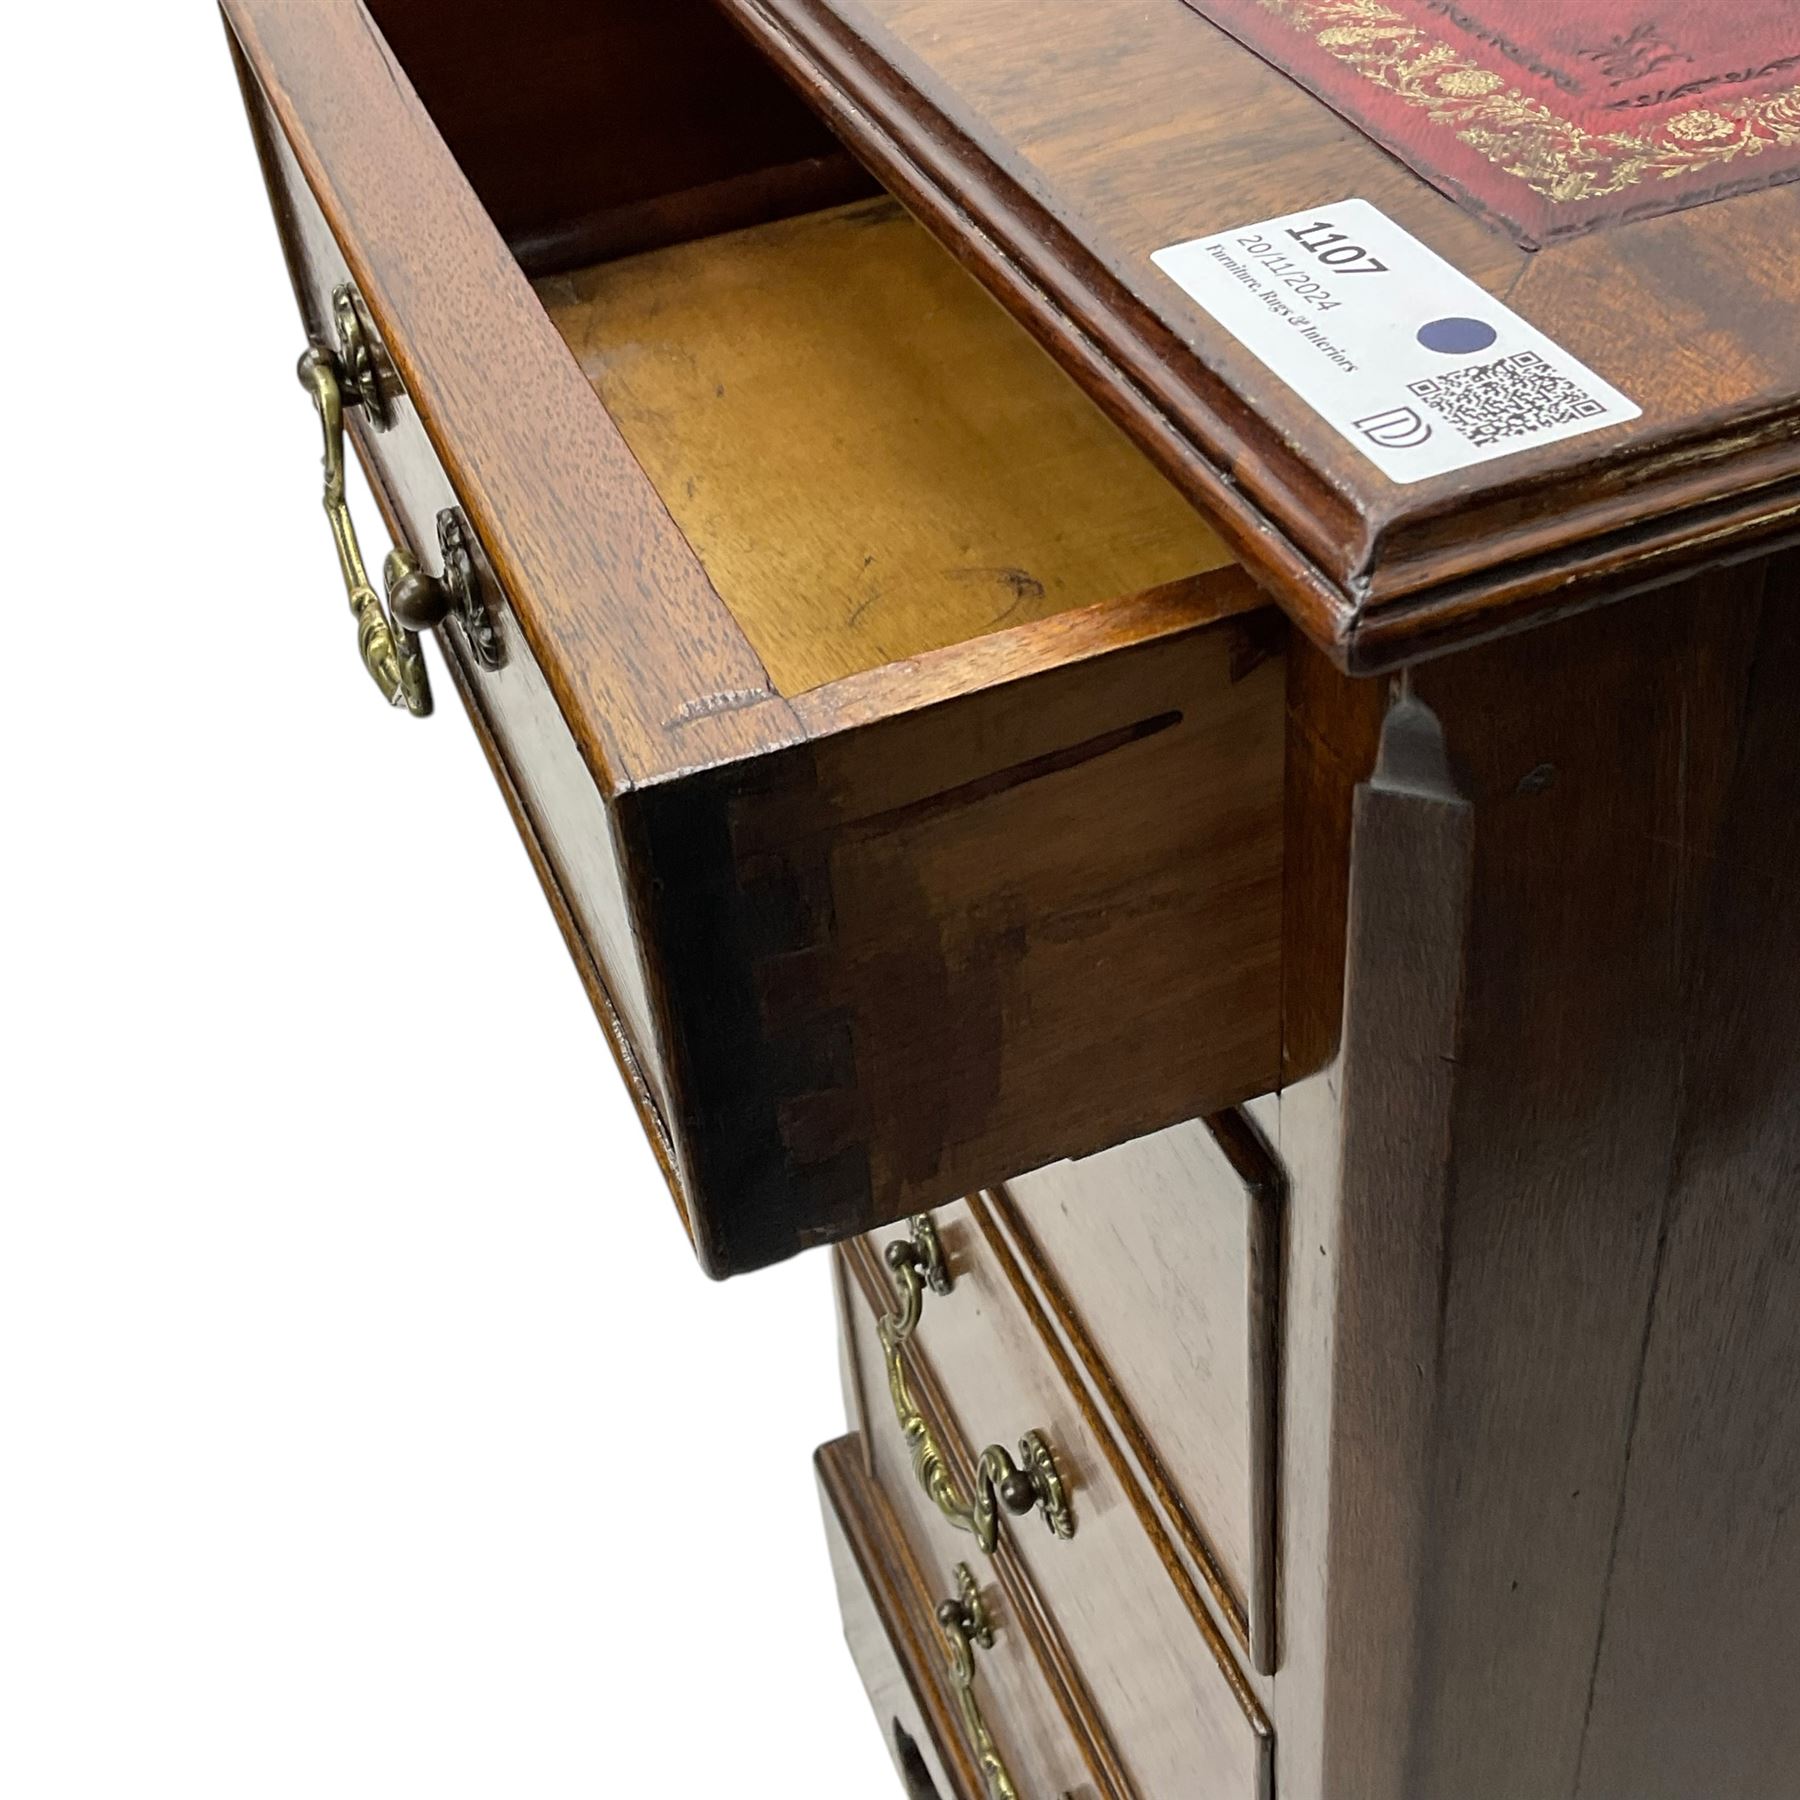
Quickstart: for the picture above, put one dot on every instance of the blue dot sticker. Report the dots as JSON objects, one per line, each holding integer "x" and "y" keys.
{"x": 1457, "y": 337}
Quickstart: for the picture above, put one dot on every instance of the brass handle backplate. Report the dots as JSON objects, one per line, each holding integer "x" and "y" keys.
{"x": 967, "y": 1625}
{"x": 387, "y": 636}
{"x": 1034, "y": 1483}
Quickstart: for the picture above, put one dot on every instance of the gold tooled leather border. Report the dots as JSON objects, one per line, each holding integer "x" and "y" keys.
{"x": 1552, "y": 155}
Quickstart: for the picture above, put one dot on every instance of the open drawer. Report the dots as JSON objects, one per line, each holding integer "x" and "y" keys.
{"x": 902, "y": 755}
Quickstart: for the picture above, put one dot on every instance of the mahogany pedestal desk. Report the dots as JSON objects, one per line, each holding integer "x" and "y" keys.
{"x": 1271, "y": 967}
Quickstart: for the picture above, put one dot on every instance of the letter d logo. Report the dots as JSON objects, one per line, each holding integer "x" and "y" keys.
{"x": 1399, "y": 428}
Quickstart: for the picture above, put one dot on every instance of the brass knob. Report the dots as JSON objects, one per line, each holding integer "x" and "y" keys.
{"x": 422, "y": 602}
{"x": 1034, "y": 1484}
{"x": 418, "y": 601}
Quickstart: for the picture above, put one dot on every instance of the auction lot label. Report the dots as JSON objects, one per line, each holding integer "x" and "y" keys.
{"x": 1399, "y": 352}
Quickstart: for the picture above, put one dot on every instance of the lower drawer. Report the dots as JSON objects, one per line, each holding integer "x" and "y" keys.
{"x": 1139, "y": 1656}
{"x": 973, "y": 1729}
{"x": 1161, "y": 1263}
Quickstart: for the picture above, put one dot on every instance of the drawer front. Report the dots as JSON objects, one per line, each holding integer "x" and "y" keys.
{"x": 1161, "y": 1262}
{"x": 888, "y": 1630}
{"x": 950, "y": 1740}
{"x": 1132, "y": 1638}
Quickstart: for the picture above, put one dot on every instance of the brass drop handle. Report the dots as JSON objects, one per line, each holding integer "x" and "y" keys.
{"x": 355, "y": 373}
{"x": 390, "y": 652}
{"x": 967, "y": 1625}
{"x": 1032, "y": 1484}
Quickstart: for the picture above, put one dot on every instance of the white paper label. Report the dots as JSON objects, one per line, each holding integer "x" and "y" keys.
{"x": 1404, "y": 356}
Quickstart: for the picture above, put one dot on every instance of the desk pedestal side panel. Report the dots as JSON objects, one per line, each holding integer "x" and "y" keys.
{"x": 1541, "y": 1453}
{"x": 1541, "y": 1315}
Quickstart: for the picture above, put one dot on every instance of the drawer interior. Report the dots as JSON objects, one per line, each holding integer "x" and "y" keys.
{"x": 870, "y": 458}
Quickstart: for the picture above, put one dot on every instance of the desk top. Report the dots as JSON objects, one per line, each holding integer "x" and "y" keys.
{"x": 1058, "y": 145}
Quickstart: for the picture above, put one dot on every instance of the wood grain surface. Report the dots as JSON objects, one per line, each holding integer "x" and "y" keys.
{"x": 1697, "y": 1672}
{"x": 588, "y": 130}
{"x": 1053, "y": 922}
{"x": 1370, "y": 1196}
{"x": 1141, "y": 1255}
{"x": 891, "y": 1632}
{"x": 607, "y": 593}
{"x": 1495, "y": 1245}
{"x": 870, "y": 459}
{"x": 883, "y": 907}
{"x": 1148, "y": 1673}
{"x": 850, "y": 959}
{"x": 1142, "y": 125}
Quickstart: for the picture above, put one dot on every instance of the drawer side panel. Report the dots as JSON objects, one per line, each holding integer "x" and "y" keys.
{"x": 563, "y": 812}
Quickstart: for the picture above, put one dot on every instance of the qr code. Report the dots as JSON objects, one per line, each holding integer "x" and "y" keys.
{"x": 1514, "y": 396}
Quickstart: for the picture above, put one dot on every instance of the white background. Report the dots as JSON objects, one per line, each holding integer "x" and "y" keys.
{"x": 366, "y": 1428}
